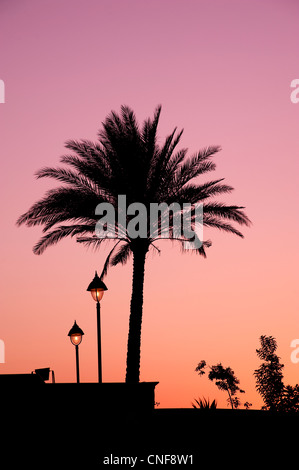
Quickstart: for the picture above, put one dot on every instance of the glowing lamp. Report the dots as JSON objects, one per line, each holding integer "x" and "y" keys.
{"x": 97, "y": 288}
{"x": 76, "y": 339}
{"x": 75, "y": 334}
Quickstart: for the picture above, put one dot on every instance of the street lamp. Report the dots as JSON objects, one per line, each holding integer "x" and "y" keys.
{"x": 75, "y": 335}
{"x": 97, "y": 289}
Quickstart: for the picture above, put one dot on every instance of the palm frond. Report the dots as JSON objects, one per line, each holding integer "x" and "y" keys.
{"x": 62, "y": 204}
{"x": 130, "y": 122}
{"x": 199, "y": 251}
{"x": 183, "y": 241}
{"x": 94, "y": 241}
{"x": 122, "y": 255}
{"x": 197, "y": 193}
{"x": 234, "y": 213}
{"x": 76, "y": 180}
{"x": 216, "y": 222}
{"x": 149, "y": 131}
{"x": 155, "y": 247}
{"x": 94, "y": 172}
{"x": 107, "y": 261}
{"x": 197, "y": 165}
{"x": 161, "y": 159}
{"x": 53, "y": 237}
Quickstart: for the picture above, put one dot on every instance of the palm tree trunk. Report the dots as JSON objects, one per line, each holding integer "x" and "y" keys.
{"x": 134, "y": 338}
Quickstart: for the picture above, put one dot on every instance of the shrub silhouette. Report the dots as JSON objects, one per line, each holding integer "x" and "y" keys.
{"x": 269, "y": 379}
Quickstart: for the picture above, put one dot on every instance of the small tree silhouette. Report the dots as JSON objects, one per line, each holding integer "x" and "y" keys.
{"x": 269, "y": 375}
{"x": 224, "y": 378}
{"x": 269, "y": 379}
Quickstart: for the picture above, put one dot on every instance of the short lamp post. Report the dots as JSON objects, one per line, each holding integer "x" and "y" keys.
{"x": 75, "y": 335}
{"x": 97, "y": 289}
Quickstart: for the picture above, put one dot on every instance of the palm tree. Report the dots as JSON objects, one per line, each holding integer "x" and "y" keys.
{"x": 127, "y": 160}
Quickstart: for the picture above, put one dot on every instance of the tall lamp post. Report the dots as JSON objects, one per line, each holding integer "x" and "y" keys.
{"x": 75, "y": 335}
{"x": 97, "y": 289}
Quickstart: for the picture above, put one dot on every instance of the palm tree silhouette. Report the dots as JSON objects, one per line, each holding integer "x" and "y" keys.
{"x": 127, "y": 160}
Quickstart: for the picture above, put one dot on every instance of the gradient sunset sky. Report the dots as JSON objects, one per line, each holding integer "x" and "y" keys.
{"x": 222, "y": 71}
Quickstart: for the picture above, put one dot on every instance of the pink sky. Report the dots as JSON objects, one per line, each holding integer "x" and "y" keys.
{"x": 222, "y": 71}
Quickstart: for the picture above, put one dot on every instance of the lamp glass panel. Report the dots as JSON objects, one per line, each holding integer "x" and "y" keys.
{"x": 97, "y": 294}
{"x": 76, "y": 339}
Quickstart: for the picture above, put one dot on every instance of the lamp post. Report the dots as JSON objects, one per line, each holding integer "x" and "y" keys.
{"x": 97, "y": 289}
{"x": 75, "y": 335}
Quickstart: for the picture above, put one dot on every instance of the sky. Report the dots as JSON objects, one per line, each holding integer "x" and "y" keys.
{"x": 222, "y": 71}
